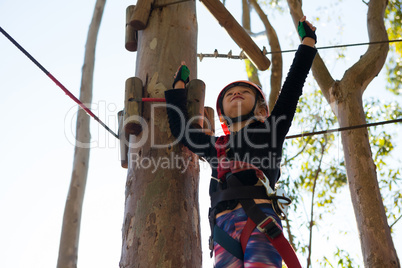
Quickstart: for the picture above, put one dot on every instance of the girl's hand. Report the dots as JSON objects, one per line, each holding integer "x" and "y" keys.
{"x": 307, "y": 32}
{"x": 181, "y": 77}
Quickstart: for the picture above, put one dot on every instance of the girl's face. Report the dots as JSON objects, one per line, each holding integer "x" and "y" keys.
{"x": 238, "y": 101}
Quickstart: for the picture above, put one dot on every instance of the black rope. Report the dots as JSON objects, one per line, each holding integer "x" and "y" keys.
{"x": 215, "y": 54}
{"x": 339, "y": 46}
{"x": 15, "y": 43}
{"x": 57, "y": 82}
{"x": 241, "y": 56}
{"x": 306, "y": 134}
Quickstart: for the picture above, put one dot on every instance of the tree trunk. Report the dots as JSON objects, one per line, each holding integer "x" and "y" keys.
{"x": 68, "y": 248}
{"x": 345, "y": 98}
{"x": 161, "y": 218}
{"x": 375, "y": 236}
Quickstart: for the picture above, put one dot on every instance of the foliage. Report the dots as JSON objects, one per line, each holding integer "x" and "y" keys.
{"x": 312, "y": 115}
{"x": 343, "y": 258}
{"x": 278, "y": 5}
{"x": 382, "y": 139}
{"x": 252, "y": 72}
{"x": 393, "y": 17}
{"x": 312, "y": 175}
{"x": 314, "y": 168}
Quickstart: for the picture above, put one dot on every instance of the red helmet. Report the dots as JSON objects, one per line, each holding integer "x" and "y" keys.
{"x": 219, "y": 108}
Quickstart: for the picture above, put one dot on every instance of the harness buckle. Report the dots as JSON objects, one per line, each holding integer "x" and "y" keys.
{"x": 270, "y": 227}
{"x": 280, "y": 199}
{"x": 281, "y": 203}
{"x": 211, "y": 243}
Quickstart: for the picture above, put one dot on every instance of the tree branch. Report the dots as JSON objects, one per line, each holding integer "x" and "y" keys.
{"x": 312, "y": 202}
{"x": 320, "y": 71}
{"x": 371, "y": 63}
{"x": 290, "y": 236}
{"x": 390, "y": 227}
{"x": 299, "y": 152}
{"x": 70, "y": 233}
{"x": 252, "y": 71}
{"x": 277, "y": 62}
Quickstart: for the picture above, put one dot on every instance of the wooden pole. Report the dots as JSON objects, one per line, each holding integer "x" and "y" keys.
{"x": 140, "y": 17}
{"x": 161, "y": 218}
{"x": 209, "y": 122}
{"x": 123, "y": 139}
{"x": 132, "y": 106}
{"x": 238, "y": 34}
{"x": 131, "y": 33}
{"x": 195, "y": 102}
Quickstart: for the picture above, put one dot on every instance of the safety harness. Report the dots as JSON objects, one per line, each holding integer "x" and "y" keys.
{"x": 231, "y": 188}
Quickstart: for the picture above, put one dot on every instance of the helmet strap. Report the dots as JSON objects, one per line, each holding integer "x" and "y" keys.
{"x": 242, "y": 118}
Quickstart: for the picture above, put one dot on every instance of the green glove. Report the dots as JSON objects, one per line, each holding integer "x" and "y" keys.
{"x": 305, "y": 31}
{"x": 183, "y": 74}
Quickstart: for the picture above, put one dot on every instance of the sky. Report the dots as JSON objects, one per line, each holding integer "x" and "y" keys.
{"x": 38, "y": 119}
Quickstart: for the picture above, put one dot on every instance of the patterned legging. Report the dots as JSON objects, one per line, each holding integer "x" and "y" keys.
{"x": 259, "y": 251}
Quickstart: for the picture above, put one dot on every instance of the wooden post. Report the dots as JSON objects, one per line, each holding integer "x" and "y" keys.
{"x": 161, "y": 218}
{"x": 123, "y": 139}
{"x": 209, "y": 122}
{"x": 133, "y": 106}
{"x": 131, "y": 33}
{"x": 195, "y": 102}
{"x": 238, "y": 34}
{"x": 139, "y": 19}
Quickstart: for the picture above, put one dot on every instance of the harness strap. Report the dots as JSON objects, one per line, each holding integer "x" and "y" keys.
{"x": 243, "y": 192}
{"x": 275, "y": 235}
{"x": 228, "y": 243}
{"x": 268, "y": 226}
{"x": 271, "y": 229}
{"x": 256, "y": 217}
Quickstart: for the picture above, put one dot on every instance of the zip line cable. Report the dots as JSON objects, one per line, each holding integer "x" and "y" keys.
{"x": 90, "y": 113}
{"x": 68, "y": 93}
{"x": 230, "y": 55}
{"x": 306, "y": 134}
{"x": 346, "y": 45}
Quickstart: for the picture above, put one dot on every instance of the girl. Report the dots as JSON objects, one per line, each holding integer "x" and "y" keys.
{"x": 245, "y": 215}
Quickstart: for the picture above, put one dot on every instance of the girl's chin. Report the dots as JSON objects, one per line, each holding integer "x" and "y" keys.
{"x": 237, "y": 113}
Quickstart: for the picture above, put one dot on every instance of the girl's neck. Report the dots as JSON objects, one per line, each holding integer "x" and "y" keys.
{"x": 236, "y": 127}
